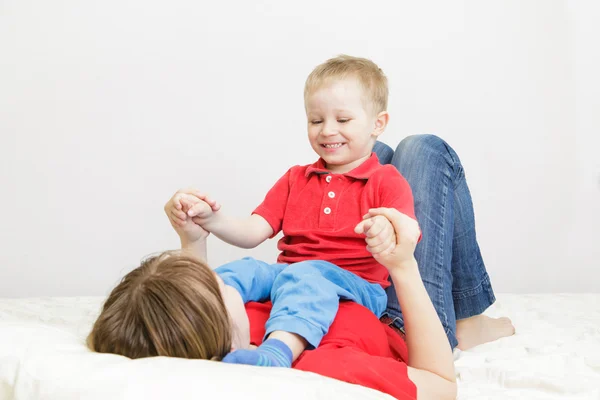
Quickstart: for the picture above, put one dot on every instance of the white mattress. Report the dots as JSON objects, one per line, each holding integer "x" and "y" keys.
{"x": 554, "y": 355}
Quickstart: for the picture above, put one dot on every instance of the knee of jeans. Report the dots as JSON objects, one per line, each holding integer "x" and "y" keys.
{"x": 419, "y": 147}
{"x": 415, "y": 144}
{"x": 384, "y": 152}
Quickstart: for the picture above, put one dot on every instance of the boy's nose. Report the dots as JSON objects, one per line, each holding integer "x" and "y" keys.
{"x": 328, "y": 130}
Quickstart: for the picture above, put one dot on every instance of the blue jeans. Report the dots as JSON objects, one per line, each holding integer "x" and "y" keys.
{"x": 448, "y": 254}
{"x": 305, "y": 295}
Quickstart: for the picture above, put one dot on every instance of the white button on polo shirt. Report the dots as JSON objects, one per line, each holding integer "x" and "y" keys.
{"x": 331, "y": 195}
{"x": 327, "y": 210}
{"x": 328, "y": 178}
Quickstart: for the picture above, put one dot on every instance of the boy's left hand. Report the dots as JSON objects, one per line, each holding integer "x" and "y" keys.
{"x": 406, "y": 236}
{"x": 380, "y": 235}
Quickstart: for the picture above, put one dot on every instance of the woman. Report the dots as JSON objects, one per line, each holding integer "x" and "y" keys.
{"x": 175, "y": 305}
{"x": 155, "y": 308}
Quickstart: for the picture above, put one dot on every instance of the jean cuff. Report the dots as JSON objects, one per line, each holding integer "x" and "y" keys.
{"x": 474, "y": 301}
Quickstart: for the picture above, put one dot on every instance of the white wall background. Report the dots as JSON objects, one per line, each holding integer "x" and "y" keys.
{"x": 106, "y": 108}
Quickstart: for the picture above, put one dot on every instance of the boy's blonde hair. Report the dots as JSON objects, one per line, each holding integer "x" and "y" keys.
{"x": 171, "y": 305}
{"x": 370, "y": 76}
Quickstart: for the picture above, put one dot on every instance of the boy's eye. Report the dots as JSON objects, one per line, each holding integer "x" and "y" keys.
{"x": 342, "y": 120}
{"x": 316, "y": 122}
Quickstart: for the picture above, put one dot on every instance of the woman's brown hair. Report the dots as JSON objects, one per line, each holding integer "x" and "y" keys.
{"x": 171, "y": 306}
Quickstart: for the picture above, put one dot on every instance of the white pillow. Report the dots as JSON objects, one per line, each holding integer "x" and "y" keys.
{"x": 43, "y": 356}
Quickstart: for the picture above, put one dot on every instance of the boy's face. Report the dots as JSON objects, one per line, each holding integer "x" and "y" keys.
{"x": 340, "y": 129}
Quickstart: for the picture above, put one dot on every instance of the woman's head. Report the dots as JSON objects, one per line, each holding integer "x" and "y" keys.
{"x": 171, "y": 305}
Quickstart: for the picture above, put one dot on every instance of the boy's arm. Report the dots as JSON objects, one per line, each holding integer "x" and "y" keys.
{"x": 246, "y": 232}
{"x": 189, "y": 206}
{"x": 251, "y": 231}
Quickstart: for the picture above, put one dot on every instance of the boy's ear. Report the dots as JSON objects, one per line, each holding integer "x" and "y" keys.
{"x": 381, "y": 123}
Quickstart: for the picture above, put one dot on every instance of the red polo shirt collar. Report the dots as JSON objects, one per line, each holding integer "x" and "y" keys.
{"x": 363, "y": 171}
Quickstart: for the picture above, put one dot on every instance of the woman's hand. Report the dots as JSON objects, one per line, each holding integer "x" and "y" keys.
{"x": 177, "y": 208}
{"x": 391, "y": 236}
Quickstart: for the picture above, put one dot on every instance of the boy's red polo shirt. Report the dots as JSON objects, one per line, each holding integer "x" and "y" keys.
{"x": 318, "y": 211}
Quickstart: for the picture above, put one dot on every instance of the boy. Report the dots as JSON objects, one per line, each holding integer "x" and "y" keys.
{"x": 323, "y": 210}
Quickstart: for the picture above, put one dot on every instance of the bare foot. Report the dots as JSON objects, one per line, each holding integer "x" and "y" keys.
{"x": 480, "y": 329}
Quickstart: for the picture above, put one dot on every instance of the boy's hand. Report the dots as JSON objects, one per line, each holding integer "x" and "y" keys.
{"x": 198, "y": 210}
{"x": 185, "y": 226}
{"x": 380, "y": 236}
{"x": 183, "y": 200}
{"x": 392, "y": 250}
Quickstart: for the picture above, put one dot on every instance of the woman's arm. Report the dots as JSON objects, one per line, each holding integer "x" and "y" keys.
{"x": 196, "y": 248}
{"x": 430, "y": 361}
{"x": 428, "y": 346}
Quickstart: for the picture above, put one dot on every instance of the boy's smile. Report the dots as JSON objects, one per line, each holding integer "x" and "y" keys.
{"x": 331, "y": 147}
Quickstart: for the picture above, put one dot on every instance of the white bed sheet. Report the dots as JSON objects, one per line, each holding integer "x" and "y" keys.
{"x": 554, "y": 355}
